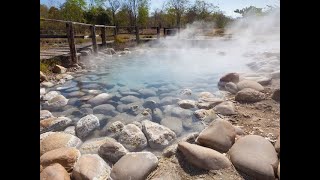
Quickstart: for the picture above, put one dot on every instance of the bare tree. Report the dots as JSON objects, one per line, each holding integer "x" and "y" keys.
{"x": 179, "y": 7}
{"x": 114, "y": 6}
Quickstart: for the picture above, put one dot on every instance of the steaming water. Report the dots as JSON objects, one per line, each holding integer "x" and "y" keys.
{"x": 164, "y": 71}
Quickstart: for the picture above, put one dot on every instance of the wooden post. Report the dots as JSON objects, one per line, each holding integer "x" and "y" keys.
{"x": 137, "y": 34}
{"x": 158, "y": 32}
{"x": 94, "y": 40}
{"x": 73, "y": 50}
{"x": 179, "y": 32}
{"x": 103, "y": 36}
{"x": 164, "y": 32}
{"x": 115, "y": 32}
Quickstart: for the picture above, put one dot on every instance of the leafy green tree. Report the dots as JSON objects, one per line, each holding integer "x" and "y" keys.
{"x": 73, "y": 10}
{"x": 248, "y": 11}
{"x": 43, "y": 11}
{"x": 178, "y": 7}
{"x": 114, "y": 6}
{"x": 143, "y": 14}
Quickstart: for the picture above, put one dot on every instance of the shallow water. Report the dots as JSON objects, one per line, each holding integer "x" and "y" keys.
{"x": 161, "y": 72}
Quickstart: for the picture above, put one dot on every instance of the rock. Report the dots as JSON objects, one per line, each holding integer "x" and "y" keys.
{"x": 168, "y": 101}
{"x": 206, "y": 95}
{"x": 42, "y": 91}
{"x": 208, "y": 103}
{"x": 186, "y": 92}
{"x": 179, "y": 112}
{"x": 64, "y": 76}
{"x": 59, "y": 69}
{"x": 134, "y": 166}
{"x": 138, "y": 124}
{"x": 54, "y": 172}
{"x": 76, "y": 94}
{"x": 57, "y": 140}
{"x": 50, "y": 95}
{"x": 106, "y": 109}
{"x": 230, "y": 77}
{"x": 115, "y": 128}
{"x": 203, "y": 157}
{"x": 231, "y": 87}
{"x": 276, "y": 95}
{"x": 248, "y": 95}
{"x": 92, "y": 146}
{"x": 100, "y": 99}
{"x": 151, "y": 102}
{"x": 44, "y": 135}
{"x": 170, "y": 150}
{"x": 86, "y": 125}
{"x": 129, "y": 99}
{"x": 94, "y": 92}
{"x": 91, "y": 167}
{"x": 57, "y": 102}
{"x": 173, "y": 123}
{"x": 225, "y": 108}
{"x": 147, "y": 92}
{"x": 264, "y": 81}
{"x": 249, "y": 150}
{"x": 278, "y": 171}
{"x": 187, "y": 104}
{"x": 70, "y": 130}
{"x": 45, "y": 114}
{"x": 275, "y": 74}
{"x": 55, "y": 124}
{"x": 132, "y": 138}
{"x": 157, "y": 115}
{"x": 249, "y": 84}
{"x": 65, "y": 156}
{"x": 219, "y": 135}
{"x": 112, "y": 151}
{"x": 43, "y": 77}
{"x": 205, "y": 115}
{"x": 277, "y": 145}
{"x": 239, "y": 131}
{"x": 158, "y": 136}
{"x": 47, "y": 84}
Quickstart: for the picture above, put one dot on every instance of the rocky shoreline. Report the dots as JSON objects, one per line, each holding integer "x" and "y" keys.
{"x": 239, "y": 137}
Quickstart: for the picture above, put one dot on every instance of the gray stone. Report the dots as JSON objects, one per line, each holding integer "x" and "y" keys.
{"x": 45, "y": 114}
{"x": 219, "y": 135}
{"x": 112, "y": 151}
{"x": 249, "y": 84}
{"x": 277, "y": 145}
{"x": 91, "y": 167}
{"x": 186, "y": 92}
{"x": 134, "y": 166}
{"x": 70, "y": 130}
{"x": 114, "y": 129}
{"x": 230, "y": 77}
{"x": 205, "y": 95}
{"x": 50, "y": 95}
{"x": 231, "y": 87}
{"x": 59, "y": 69}
{"x": 54, "y": 124}
{"x": 255, "y": 157}
{"x": 157, "y": 115}
{"x": 187, "y": 104}
{"x": 132, "y": 138}
{"x": 129, "y": 99}
{"x": 225, "y": 108}
{"x": 100, "y": 99}
{"x": 168, "y": 101}
{"x": 276, "y": 95}
{"x": 248, "y": 95}
{"x": 158, "y": 136}
{"x": 92, "y": 146}
{"x": 203, "y": 157}
{"x": 205, "y": 115}
{"x": 86, "y": 125}
{"x": 76, "y": 94}
{"x": 147, "y": 92}
{"x": 58, "y": 102}
{"x": 47, "y": 84}
{"x": 106, "y": 109}
{"x": 173, "y": 123}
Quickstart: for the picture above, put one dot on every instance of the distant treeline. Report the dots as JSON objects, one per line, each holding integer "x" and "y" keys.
{"x": 173, "y": 13}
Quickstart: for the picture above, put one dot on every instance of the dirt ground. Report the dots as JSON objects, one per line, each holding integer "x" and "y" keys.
{"x": 261, "y": 118}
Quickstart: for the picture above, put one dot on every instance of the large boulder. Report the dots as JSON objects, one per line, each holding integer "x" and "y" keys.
{"x": 57, "y": 140}
{"x": 134, "y": 166}
{"x": 219, "y": 135}
{"x": 231, "y": 87}
{"x": 173, "y": 123}
{"x": 66, "y": 156}
{"x": 249, "y": 84}
{"x": 106, "y": 109}
{"x": 254, "y": 157}
{"x": 100, "y": 99}
{"x": 158, "y": 136}
{"x": 132, "y": 138}
{"x": 203, "y": 157}
{"x": 225, "y": 108}
{"x": 56, "y": 103}
{"x": 91, "y": 167}
{"x": 50, "y": 95}
{"x": 45, "y": 114}
{"x": 86, "y": 125}
{"x": 230, "y": 77}
{"x": 112, "y": 151}
{"x": 54, "y": 172}
{"x": 249, "y": 95}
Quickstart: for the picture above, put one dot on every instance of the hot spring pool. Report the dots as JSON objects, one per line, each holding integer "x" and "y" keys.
{"x": 144, "y": 75}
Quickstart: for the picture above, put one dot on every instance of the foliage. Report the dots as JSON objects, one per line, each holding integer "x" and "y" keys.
{"x": 73, "y": 10}
{"x": 251, "y": 10}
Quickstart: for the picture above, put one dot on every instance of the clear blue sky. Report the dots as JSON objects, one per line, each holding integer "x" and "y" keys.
{"x": 227, "y": 6}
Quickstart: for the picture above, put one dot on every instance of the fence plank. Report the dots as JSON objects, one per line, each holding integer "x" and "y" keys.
{"x": 94, "y": 39}
{"x": 73, "y": 50}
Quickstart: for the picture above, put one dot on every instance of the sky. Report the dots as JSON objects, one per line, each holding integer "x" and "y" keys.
{"x": 227, "y": 6}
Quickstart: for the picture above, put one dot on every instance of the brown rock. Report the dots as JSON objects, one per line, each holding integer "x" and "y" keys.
{"x": 248, "y": 95}
{"x": 230, "y": 77}
{"x": 112, "y": 151}
{"x": 276, "y": 95}
{"x": 59, "y": 69}
{"x": 203, "y": 157}
{"x": 219, "y": 135}
{"x": 43, "y": 77}
{"x": 249, "y": 84}
{"x": 65, "y": 156}
{"x": 54, "y": 172}
{"x": 277, "y": 145}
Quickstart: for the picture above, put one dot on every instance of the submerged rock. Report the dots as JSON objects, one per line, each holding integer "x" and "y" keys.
{"x": 187, "y": 104}
{"x": 100, "y": 99}
{"x": 57, "y": 102}
{"x": 173, "y": 123}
